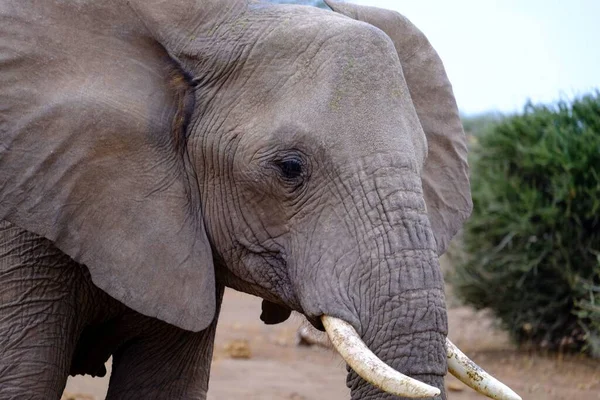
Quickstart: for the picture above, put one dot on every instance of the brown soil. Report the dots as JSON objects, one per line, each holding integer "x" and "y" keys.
{"x": 253, "y": 361}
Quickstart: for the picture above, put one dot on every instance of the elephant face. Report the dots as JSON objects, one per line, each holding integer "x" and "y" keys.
{"x": 307, "y": 146}
{"x": 309, "y": 158}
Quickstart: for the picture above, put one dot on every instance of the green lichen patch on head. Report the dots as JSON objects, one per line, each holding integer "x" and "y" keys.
{"x": 341, "y": 91}
{"x": 397, "y": 91}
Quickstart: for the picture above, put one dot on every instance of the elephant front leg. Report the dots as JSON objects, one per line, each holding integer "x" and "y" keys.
{"x": 38, "y": 327}
{"x": 163, "y": 362}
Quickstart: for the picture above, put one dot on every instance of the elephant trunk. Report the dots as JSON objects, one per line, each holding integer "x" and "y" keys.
{"x": 385, "y": 279}
{"x": 395, "y": 288}
{"x": 406, "y": 325}
{"x": 380, "y": 278}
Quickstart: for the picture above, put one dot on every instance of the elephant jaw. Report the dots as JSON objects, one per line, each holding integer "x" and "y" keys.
{"x": 373, "y": 370}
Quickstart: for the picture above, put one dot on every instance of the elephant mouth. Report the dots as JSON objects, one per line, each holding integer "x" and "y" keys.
{"x": 317, "y": 323}
{"x": 373, "y": 370}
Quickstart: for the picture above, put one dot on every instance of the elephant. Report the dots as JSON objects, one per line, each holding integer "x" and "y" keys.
{"x": 154, "y": 152}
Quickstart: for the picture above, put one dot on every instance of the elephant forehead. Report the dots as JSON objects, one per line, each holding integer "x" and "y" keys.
{"x": 332, "y": 77}
{"x": 327, "y": 47}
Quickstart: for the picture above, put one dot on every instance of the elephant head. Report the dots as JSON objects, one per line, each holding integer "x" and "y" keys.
{"x": 293, "y": 153}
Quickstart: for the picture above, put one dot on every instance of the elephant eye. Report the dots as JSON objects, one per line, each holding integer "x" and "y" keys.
{"x": 291, "y": 169}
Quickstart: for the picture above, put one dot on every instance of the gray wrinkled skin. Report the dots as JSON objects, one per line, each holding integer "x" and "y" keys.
{"x": 153, "y": 152}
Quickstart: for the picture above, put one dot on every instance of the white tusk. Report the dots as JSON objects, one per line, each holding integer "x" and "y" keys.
{"x": 473, "y": 376}
{"x": 368, "y": 366}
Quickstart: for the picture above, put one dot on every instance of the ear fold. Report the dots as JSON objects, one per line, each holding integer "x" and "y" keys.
{"x": 92, "y": 156}
{"x": 445, "y": 174}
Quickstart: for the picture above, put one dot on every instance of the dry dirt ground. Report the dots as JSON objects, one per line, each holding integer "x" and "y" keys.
{"x": 253, "y": 361}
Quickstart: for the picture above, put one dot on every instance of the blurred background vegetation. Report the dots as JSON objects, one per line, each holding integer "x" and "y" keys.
{"x": 531, "y": 249}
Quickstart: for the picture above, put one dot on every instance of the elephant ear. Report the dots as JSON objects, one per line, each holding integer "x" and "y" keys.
{"x": 445, "y": 174}
{"x": 93, "y": 115}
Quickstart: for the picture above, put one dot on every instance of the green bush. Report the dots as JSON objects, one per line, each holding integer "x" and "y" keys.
{"x": 532, "y": 245}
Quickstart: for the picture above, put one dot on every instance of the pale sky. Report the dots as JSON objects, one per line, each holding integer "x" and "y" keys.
{"x": 498, "y": 54}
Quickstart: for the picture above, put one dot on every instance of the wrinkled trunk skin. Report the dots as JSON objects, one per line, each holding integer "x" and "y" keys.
{"x": 396, "y": 286}
{"x": 407, "y": 329}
